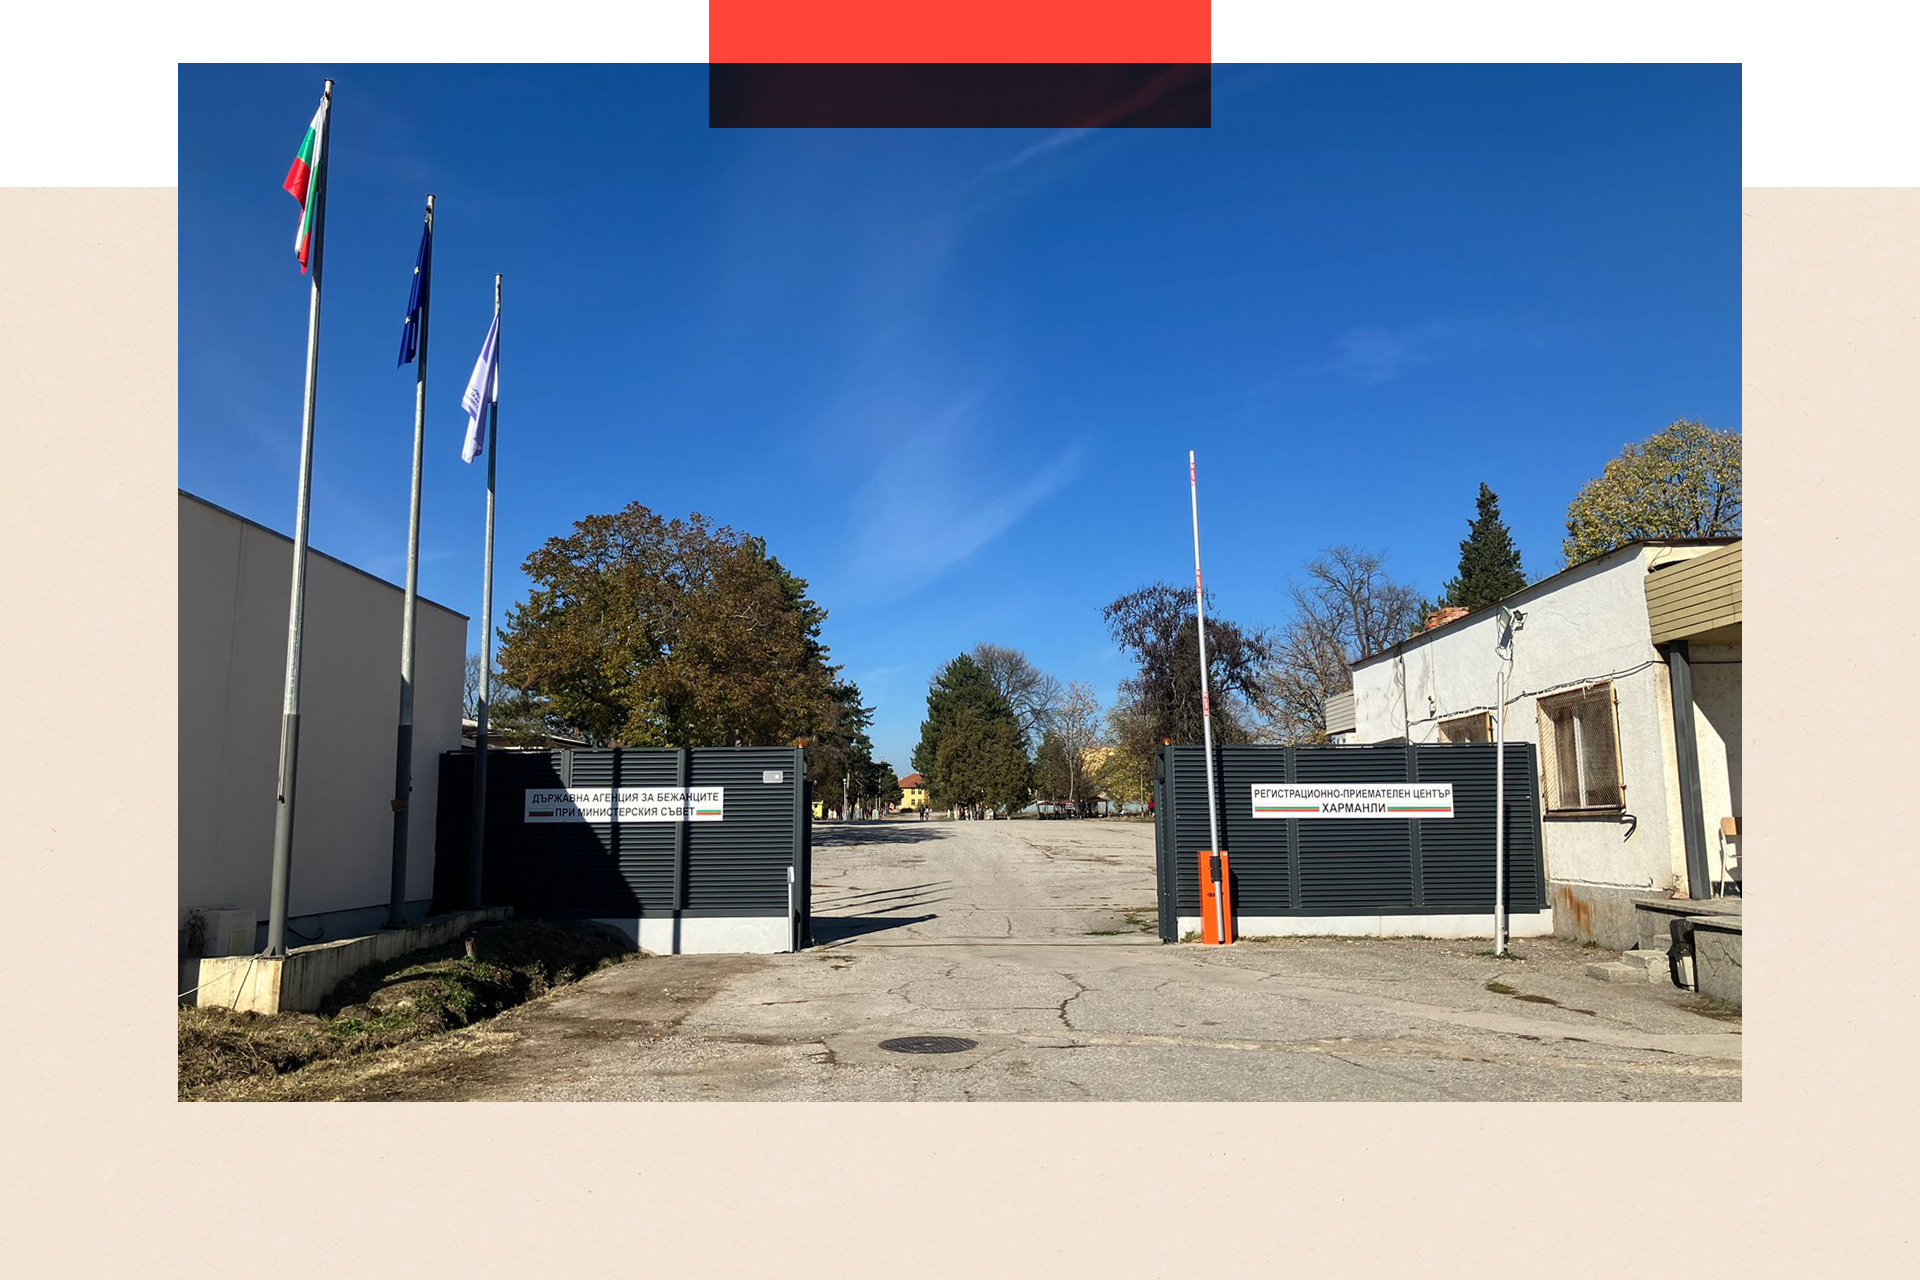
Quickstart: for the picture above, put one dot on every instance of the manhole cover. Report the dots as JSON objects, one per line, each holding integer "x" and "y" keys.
{"x": 929, "y": 1044}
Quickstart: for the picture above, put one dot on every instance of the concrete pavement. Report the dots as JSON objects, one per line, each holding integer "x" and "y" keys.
{"x": 1035, "y": 940}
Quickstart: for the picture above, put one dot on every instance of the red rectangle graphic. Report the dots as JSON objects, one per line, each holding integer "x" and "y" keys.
{"x": 956, "y": 31}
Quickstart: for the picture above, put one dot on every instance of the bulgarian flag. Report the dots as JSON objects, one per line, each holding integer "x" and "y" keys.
{"x": 300, "y": 185}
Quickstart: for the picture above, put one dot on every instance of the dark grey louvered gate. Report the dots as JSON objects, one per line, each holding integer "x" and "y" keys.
{"x": 738, "y": 866}
{"x": 1322, "y": 867}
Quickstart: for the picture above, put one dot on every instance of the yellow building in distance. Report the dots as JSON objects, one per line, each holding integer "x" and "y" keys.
{"x": 913, "y": 792}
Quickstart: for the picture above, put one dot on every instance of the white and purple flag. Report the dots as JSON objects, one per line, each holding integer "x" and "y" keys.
{"x": 483, "y": 388}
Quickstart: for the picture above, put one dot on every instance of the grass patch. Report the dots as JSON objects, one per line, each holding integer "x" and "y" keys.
{"x": 423, "y": 993}
{"x": 1106, "y": 933}
{"x": 1144, "y": 919}
{"x": 1191, "y": 935}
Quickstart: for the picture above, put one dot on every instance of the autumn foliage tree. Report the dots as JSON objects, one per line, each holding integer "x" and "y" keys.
{"x": 1682, "y": 482}
{"x": 647, "y": 632}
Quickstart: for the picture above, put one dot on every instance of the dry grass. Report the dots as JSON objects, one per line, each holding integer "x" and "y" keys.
{"x": 228, "y": 1055}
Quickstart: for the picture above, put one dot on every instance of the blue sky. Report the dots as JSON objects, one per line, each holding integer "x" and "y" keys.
{"x": 952, "y": 376}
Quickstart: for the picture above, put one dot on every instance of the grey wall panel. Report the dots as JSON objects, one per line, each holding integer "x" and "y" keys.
{"x": 734, "y": 867}
{"x": 1351, "y": 866}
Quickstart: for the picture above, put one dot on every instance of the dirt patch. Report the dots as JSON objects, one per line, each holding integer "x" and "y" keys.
{"x": 228, "y": 1055}
{"x": 1708, "y": 1007}
{"x": 1502, "y": 989}
{"x": 581, "y": 1028}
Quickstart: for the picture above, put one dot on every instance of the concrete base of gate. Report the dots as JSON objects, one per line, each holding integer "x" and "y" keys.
{"x": 1532, "y": 924}
{"x": 707, "y": 935}
{"x": 300, "y": 980}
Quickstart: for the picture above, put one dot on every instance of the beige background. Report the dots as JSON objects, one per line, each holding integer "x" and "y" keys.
{"x": 105, "y": 1174}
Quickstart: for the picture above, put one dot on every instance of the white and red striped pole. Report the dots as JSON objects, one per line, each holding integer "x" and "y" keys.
{"x": 1206, "y": 709}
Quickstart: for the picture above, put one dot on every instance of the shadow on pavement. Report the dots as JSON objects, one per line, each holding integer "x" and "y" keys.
{"x": 831, "y": 898}
{"x": 853, "y": 833}
{"x": 828, "y": 930}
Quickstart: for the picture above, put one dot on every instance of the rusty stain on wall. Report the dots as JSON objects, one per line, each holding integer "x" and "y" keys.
{"x": 1576, "y": 914}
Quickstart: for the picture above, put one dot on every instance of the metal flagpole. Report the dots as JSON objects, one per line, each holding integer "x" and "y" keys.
{"x": 403, "y": 744}
{"x": 486, "y": 636}
{"x": 1206, "y": 709}
{"x": 296, "y": 609}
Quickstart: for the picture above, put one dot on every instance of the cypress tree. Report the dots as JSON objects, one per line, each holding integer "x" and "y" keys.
{"x": 1489, "y": 562}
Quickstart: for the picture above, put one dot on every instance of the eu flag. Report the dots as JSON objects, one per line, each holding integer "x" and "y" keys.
{"x": 417, "y": 300}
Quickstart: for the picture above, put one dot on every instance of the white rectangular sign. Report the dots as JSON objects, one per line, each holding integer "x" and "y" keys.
{"x": 1354, "y": 800}
{"x": 636, "y": 804}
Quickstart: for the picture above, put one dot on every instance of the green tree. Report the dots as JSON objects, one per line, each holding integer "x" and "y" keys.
{"x": 1489, "y": 562}
{"x": 839, "y": 752}
{"x": 643, "y": 631}
{"x": 1053, "y": 775}
{"x": 1682, "y": 482}
{"x": 515, "y": 717}
{"x": 884, "y": 784}
{"x": 981, "y": 759}
{"x": 1156, "y": 626}
{"x": 961, "y": 685}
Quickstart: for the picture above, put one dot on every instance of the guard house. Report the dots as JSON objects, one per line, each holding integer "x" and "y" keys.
{"x": 1625, "y": 671}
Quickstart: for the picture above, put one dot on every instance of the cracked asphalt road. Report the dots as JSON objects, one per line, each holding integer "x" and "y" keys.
{"x": 1036, "y": 940}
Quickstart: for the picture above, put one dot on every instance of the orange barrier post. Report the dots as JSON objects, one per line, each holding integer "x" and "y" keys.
{"x": 1212, "y": 915}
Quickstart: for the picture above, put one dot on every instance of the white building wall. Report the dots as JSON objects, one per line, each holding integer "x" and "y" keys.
{"x": 235, "y": 580}
{"x": 1587, "y": 625}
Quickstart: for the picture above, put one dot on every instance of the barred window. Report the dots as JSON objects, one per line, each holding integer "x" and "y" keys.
{"x": 1580, "y": 751}
{"x": 1477, "y": 727}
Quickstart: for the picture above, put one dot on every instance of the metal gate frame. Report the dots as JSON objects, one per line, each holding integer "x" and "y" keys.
{"x": 756, "y": 864}
{"x": 1176, "y": 868}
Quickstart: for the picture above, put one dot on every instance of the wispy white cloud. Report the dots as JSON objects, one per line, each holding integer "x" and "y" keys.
{"x": 1383, "y": 354}
{"x": 1378, "y": 355}
{"x": 1052, "y": 142}
{"x": 940, "y": 500}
